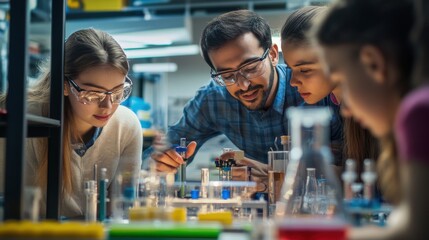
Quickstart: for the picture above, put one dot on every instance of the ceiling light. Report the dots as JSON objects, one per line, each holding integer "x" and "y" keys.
{"x": 154, "y": 67}
{"x": 163, "y": 51}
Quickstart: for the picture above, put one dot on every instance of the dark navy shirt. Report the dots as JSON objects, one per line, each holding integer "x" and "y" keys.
{"x": 81, "y": 148}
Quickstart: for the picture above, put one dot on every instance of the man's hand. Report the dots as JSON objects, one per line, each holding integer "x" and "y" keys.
{"x": 167, "y": 159}
{"x": 259, "y": 172}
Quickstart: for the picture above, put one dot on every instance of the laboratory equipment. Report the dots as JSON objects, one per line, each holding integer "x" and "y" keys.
{"x": 219, "y": 199}
{"x": 239, "y": 173}
{"x": 169, "y": 182}
{"x": 91, "y": 201}
{"x": 205, "y": 179}
{"x": 277, "y": 163}
{"x": 102, "y": 195}
{"x": 181, "y": 149}
{"x": 357, "y": 190}
{"x": 309, "y": 204}
{"x": 278, "y": 160}
{"x": 310, "y": 161}
{"x": 123, "y": 195}
{"x": 195, "y": 194}
{"x": 349, "y": 177}
{"x": 224, "y": 166}
{"x": 322, "y": 198}
{"x": 311, "y": 228}
{"x": 364, "y": 209}
{"x": 369, "y": 176}
{"x": 285, "y": 141}
{"x": 155, "y": 189}
{"x": 95, "y": 173}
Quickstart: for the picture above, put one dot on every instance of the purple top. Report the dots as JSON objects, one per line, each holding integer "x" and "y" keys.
{"x": 412, "y": 126}
{"x": 334, "y": 99}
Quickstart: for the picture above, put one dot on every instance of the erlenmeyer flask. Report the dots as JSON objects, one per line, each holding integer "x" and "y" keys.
{"x": 310, "y": 162}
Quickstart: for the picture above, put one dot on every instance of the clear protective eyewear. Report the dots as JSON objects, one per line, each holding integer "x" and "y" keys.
{"x": 96, "y": 97}
{"x": 249, "y": 71}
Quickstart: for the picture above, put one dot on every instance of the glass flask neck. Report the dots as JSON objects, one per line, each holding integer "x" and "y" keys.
{"x": 311, "y": 172}
{"x": 309, "y": 127}
{"x": 313, "y": 137}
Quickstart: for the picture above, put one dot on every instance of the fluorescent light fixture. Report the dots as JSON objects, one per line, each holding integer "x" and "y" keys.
{"x": 142, "y": 39}
{"x": 154, "y": 67}
{"x": 163, "y": 51}
{"x": 135, "y": 31}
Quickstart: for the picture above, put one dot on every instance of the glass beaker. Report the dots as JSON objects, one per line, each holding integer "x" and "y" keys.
{"x": 123, "y": 195}
{"x": 310, "y": 161}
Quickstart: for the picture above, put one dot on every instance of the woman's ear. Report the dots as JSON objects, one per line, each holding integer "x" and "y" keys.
{"x": 274, "y": 54}
{"x": 374, "y": 63}
{"x": 66, "y": 89}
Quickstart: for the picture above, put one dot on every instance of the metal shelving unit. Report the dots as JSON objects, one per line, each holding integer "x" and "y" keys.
{"x": 18, "y": 125}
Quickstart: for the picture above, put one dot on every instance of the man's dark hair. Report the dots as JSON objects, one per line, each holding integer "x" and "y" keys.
{"x": 230, "y": 26}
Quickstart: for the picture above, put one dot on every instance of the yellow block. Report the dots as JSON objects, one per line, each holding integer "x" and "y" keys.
{"x": 157, "y": 213}
{"x": 224, "y": 217}
{"x": 51, "y": 230}
{"x": 179, "y": 215}
{"x": 103, "y": 5}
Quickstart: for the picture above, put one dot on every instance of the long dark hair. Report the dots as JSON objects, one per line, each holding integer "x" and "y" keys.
{"x": 298, "y": 24}
{"x": 230, "y": 26}
{"x": 386, "y": 25}
{"x": 359, "y": 143}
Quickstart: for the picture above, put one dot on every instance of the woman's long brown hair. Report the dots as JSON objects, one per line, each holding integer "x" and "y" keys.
{"x": 359, "y": 144}
{"x": 84, "y": 49}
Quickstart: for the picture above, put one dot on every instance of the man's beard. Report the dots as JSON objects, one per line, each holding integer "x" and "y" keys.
{"x": 265, "y": 94}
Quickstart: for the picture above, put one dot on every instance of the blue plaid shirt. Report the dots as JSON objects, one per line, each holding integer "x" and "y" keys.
{"x": 213, "y": 111}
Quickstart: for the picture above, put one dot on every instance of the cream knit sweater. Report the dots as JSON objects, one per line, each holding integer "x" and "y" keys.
{"x": 118, "y": 149}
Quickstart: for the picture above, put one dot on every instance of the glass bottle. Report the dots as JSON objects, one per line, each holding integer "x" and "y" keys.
{"x": 310, "y": 159}
{"x": 349, "y": 177}
{"x": 369, "y": 176}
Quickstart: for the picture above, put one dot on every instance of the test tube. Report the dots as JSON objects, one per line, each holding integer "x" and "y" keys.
{"x": 95, "y": 173}
{"x": 182, "y": 169}
{"x": 205, "y": 175}
{"x": 103, "y": 195}
{"x": 91, "y": 201}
